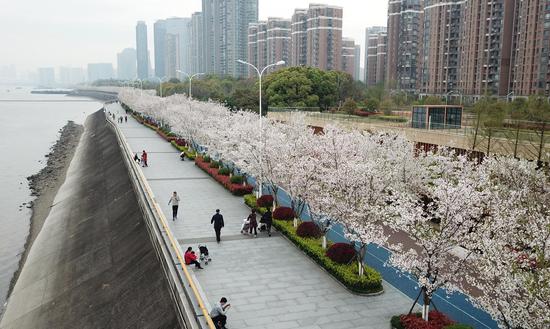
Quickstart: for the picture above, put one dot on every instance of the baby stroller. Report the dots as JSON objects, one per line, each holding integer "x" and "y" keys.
{"x": 246, "y": 226}
{"x": 205, "y": 256}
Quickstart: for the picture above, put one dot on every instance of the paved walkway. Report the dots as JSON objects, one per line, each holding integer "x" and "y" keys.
{"x": 269, "y": 283}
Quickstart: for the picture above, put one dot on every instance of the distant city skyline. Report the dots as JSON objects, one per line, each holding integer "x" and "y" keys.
{"x": 91, "y": 32}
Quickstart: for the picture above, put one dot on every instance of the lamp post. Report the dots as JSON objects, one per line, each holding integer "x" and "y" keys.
{"x": 141, "y": 85}
{"x": 508, "y": 96}
{"x": 447, "y": 97}
{"x": 190, "y": 77}
{"x": 160, "y": 84}
{"x": 260, "y": 73}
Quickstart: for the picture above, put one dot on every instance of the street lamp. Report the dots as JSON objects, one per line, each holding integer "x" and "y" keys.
{"x": 190, "y": 77}
{"x": 141, "y": 85}
{"x": 508, "y": 96}
{"x": 260, "y": 73}
{"x": 160, "y": 84}
{"x": 447, "y": 97}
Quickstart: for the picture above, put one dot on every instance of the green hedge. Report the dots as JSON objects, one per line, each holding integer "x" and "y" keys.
{"x": 390, "y": 118}
{"x": 370, "y": 282}
{"x": 224, "y": 171}
{"x": 250, "y": 201}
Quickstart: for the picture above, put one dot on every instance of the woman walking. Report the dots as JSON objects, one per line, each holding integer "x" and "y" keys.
{"x": 253, "y": 223}
{"x": 175, "y": 201}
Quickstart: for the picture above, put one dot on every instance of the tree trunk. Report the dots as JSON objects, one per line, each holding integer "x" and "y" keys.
{"x": 295, "y": 222}
{"x": 324, "y": 243}
{"x": 360, "y": 259}
{"x": 426, "y": 306}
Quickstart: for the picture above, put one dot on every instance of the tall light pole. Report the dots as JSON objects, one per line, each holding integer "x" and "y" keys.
{"x": 508, "y": 96}
{"x": 160, "y": 84}
{"x": 260, "y": 73}
{"x": 447, "y": 97}
{"x": 190, "y": 77}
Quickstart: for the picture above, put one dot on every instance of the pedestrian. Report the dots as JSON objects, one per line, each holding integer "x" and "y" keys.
{"x": 253, "y": 223}
{"x": 136, "y": 158}
{"x": 125, "y": 118}
{"x": 144, "y": 159}
{"x": 182, "y": 156}
{"x": 217, "y": 314}
{"x": 267, "y": 219}
{"x": 191, "y": 258}
{"x": 174, "y": 200}
{"x": 217, "y": 220}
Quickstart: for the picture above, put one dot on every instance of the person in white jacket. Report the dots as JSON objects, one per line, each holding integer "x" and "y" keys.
{"x": 175, "y": 201}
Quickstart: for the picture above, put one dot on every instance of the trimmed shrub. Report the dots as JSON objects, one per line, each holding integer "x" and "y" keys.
{"x": 341, "y": 253}
{"x": 237, "y": 179}
{"x": 437, "y": 320}
{"x": 458, "y": 326}
{"x": 309, "y": 230}
{"x": 396, "y": 322}
{"x": 370, "y": 282}
{"x": 250, "y": 201}
{"x": 265, "y": 201}
{"x": 214, "y": 164}
{"x": 224, "y": 171}
{"x": 241, "y": 190}
{"x": 206, "y": 159}
{"x": 283, "y": 213}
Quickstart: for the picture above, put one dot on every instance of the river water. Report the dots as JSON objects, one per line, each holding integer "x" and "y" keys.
{"x": 29, "y": 126}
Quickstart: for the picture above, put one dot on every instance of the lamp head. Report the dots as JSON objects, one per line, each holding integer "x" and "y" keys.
{"x": 280, "y": 63}
{"x": 241, "y": 61}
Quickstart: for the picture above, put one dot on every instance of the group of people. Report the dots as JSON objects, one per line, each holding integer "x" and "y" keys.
{"x": 250, "y": 224}
{"x": 142, "y": 160}
{"x": 121, "y": 119}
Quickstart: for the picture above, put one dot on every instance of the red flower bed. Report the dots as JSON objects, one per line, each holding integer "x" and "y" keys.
{"x": 235, "y": 189}
{"x": 164, "y": 136}
{"x": 437, "y": 320}
{"x": 265, "y": 201}
{"x": 308, "y": 230}
{"x": 342, "y": 253}
{"x": 180, "y": 142}
{"x": 283, "y": 213}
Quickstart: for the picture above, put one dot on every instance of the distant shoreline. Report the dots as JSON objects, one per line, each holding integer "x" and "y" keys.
{"x": 45, "y": 184}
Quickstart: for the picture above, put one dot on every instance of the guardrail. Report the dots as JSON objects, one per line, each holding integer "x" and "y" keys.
{"x": 189, "y": 304}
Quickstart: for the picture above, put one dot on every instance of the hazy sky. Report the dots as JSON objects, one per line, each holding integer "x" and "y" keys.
{"x": 38, "y": 33}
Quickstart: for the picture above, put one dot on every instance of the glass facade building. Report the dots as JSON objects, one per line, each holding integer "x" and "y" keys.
{"x": 437, "y": 117}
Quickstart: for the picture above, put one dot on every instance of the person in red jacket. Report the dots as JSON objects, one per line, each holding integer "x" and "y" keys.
{"x": 191, "y": 258}
{"x": 144, "y": 159}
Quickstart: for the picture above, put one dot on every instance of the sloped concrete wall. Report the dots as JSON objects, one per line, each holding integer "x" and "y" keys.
{"x": 92, "y": 265}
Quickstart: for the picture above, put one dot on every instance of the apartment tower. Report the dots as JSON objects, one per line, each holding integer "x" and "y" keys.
{"x": 348, "y": 56}
{"x": 324, "y": 37}
{"x": 142, "y": 53}
{"x": 298, "y": 55}
{"x": 371, "y": 42}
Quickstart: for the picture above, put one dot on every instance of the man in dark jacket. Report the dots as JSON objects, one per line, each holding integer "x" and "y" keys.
{"x": 217, "y": 220}
{"x": 267, "y": 220}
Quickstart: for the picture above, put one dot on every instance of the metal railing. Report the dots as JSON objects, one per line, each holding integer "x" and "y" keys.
{"x": 167, "y": 248}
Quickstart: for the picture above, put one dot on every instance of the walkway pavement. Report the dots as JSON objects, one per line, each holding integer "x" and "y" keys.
{"x": 269, "y": 283}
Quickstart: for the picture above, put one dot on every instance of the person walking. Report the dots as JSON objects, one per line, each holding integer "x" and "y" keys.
{"x": 125, "y": 119}
{"x": 217, "y": 220}
{"x": 217, "y": 314}
{"x": 144, "y": 159}
{"x": 191, "y": 258}
{"x": 175, "y": 201}
{"x": 253, "y": 223}
{"x": 267, "y": 219}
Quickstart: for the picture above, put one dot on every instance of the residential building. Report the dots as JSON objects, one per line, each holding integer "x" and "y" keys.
{"x": 159, "y": 33}
{"x": 46, "y": 77}
{"x": 100, "y": 71}
{"x": 298, "y": 47}
{"x": 486, "y": 44}
{"x": 142, "y": 52}
{"x": 252, "y": 57}
{"x": 173, "y": 38}
{"x": 173, "y": 56}
{"x": 405, "y": 25}
{"x": 441, "y": 46}
{"x": 225, "y": 30}
{"x": 375, "y": 57}
{"x": 69, "y": 76}
{"x": 324, "y": 37}
{"x": 261, "y": 46}
{"x": 126, "y": 64}
{"x": 348, "y": 56}
{"x": 371, "y": 46}
{"x": 278, "y": 40}
{"x": 197, "y": 44}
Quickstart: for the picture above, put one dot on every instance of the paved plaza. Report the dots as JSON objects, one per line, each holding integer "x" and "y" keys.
{"x": 268, "y": 281}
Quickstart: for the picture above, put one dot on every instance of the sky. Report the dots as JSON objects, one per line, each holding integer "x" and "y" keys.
{"x": 73, "y": 33}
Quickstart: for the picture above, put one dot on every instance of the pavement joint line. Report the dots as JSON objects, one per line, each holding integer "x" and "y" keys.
{"x": 226, "y": 238}
{"x": 177, "y": 178}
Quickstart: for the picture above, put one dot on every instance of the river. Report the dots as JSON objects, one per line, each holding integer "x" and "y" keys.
{"x": 29, "y": 126}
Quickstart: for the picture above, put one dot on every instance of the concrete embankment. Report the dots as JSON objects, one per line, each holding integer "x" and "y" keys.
{"x": 92, "y": 264}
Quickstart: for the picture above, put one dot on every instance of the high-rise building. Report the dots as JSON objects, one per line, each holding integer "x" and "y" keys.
{"x": 357, "y": 72}
{"x": 348, "y": 56}
{"x": 100, "y": 71}
{"x": 278, "y": 40}
{"x": 173, "y": 38}
{"x": 225, "y": 29}
{"x": 441, "y": 46}
{"x": 371, "y": 34}
{"x": 197, "y": 44}
{"x": 405, "y": 24}
{"x": 324, "y": 37}
{"x": 46, "y": 77}
{"x": 261, "y": 45}
{"x": 299, "y": 38}
{"x": 485, "y": 43}
{"x": 142, "y": 53}
{"x": 126, "y": 64}
{"x": 252, "y": 57}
